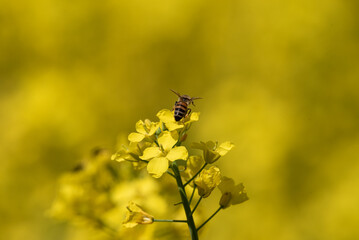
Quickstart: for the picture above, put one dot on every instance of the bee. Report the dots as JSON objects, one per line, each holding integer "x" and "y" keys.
{"x": 181, "y": 105}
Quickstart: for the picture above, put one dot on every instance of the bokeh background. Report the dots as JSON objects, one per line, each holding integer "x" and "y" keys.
{"x": 279, "y": 79}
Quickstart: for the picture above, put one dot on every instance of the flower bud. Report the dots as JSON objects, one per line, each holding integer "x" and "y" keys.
{"x": 184, "y": 137}
{"x": 225, "y": 200}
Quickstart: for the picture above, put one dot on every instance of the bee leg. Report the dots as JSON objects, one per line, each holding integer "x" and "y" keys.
{"x": 188, "y": 112}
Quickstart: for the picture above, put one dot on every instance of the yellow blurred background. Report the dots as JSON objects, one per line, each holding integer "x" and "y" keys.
{"x": 278, "y": 78}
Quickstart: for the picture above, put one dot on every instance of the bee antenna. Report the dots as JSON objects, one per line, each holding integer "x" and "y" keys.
{"x": 195, "y": 98}
{"x": 179, "y": 95}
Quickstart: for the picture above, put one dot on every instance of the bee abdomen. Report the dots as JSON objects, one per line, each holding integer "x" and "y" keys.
{"x": 180, "y": 110}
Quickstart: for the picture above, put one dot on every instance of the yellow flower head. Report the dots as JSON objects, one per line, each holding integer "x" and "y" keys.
{"x": 207, "y": 180}
{"x": 231, "y": 194}
{"x": 135, "y": 216}
{"x": 131, "y": 153}
{"x": 158, "y": 156}
{"x": 211, "y": 151}
{"x": 144, "y": 129}
{"x": 166, "y": 116}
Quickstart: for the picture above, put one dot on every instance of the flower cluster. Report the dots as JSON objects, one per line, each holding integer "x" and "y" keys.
{"x": 98, "y": 190}
{"x": 94, "y": 196}
{"x": 158, "y": 147}
{"x": 156, "y": 144}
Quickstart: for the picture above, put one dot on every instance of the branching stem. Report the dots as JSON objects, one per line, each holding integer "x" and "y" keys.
{"x": 195, "y": 207}
{"x": 194, "y": 190}
{"x": 171, "y": 174}
{"x": 169, "y": 220}
{"x": 209, "y": 218}
{"x": 185, "y": 203}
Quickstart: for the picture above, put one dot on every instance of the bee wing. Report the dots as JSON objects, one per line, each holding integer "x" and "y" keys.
{"x": 179, "y": 95}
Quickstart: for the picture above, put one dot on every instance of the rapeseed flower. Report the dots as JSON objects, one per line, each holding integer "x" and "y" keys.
{"x": 231, "y": 194}
{"x": 167, "y": 117}
{"x": 131, "y": 153}
{"x": 211, "y": 151}
{"x": 136, "y": 215}
{"x": 158, "y": 157}
{"x": 144, "y": 129}
{"x": 208, "y": 180}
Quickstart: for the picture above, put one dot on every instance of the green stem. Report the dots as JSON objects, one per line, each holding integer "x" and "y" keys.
{"x": 182, "y": 133}
{"x": 209, "y": 218}
{"x": 195, "y": 207}
{"x": 177, "y": 203}
{"x": 168, "y": 220}
{"x": 185, "y": 203}
{"x": 196, "y": 174}
{"x": 194, "y": 190}
{"x": 170, "y": 174}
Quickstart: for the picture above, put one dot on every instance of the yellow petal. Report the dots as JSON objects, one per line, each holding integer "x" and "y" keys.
{"x": 157, "y": 166}
{"x": 174, "y": 125}
{"x": 122, "y": 155}
{"x": 147, "y": 123}
{"x": 130, "y": 222}
{"x": 210, "y": 145}
{"x": 153, "y": 128}
{"x": 226, "y": 185}
{"x": 135, "y": 137}
{"x": 200, "y": 145}
{"x": 210, "y": 156}
{"x": 151, "y": 152}
{"x": 177, "y": 153}
{"x": 165, "y": 116}
{"x": 207, "y": 180}
{"x": 138, "y": 148}
{"x": 240, "y": 194}
{"x": 136, "y": 215}
{"x": 224, "y": 148}
{"x": 140, "y": 127}
{"x": 138, "y": 165}
{"x": 133, "y": 207}
{"x": 167, "y": 140}
{"x": 194, "y": 163}
{"x": 194, "y": 117}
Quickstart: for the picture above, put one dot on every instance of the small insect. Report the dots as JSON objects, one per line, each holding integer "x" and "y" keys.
{"x": 181, "y": 105}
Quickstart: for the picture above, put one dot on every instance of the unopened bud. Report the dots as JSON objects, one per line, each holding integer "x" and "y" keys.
{"x": 184, "y": 137}
{"x": 225, "y": 200}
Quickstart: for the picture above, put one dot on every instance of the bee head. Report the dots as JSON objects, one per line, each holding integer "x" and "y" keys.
{"x": 185, "y": 98}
